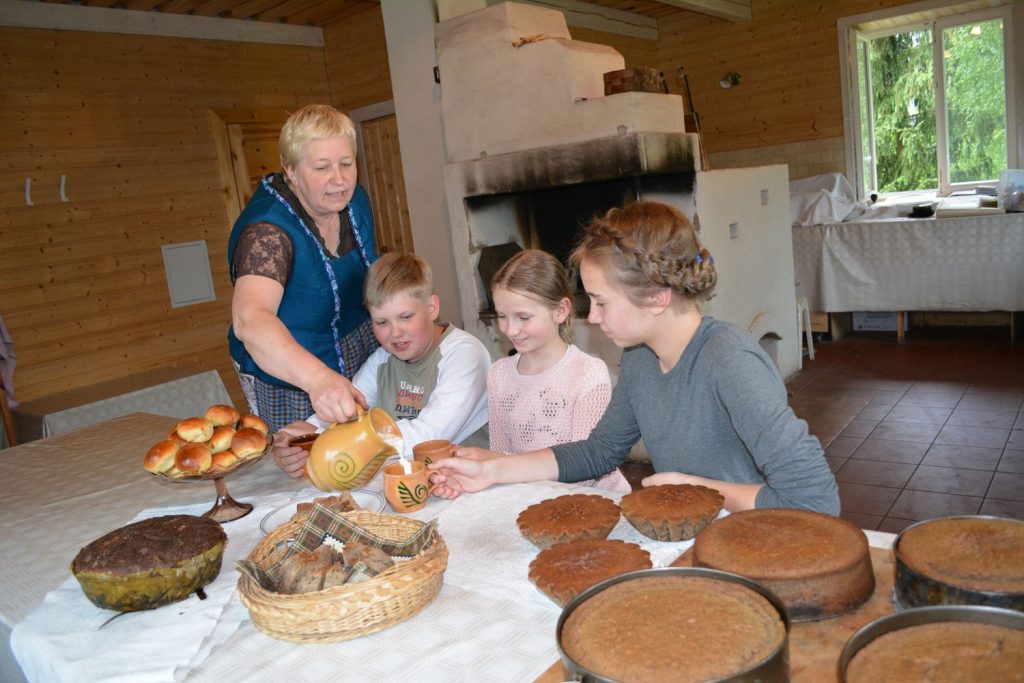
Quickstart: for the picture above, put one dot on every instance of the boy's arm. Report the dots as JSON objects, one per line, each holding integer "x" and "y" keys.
{"x": 458, "y": 400}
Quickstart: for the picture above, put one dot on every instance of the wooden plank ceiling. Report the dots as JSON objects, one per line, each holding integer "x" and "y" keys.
{"x": 309, "y": 12}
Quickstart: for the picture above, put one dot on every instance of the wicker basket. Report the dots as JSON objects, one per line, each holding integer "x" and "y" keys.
{"x": 353, "y": 610}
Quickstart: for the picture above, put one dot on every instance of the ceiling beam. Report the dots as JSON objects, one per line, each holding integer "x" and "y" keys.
{"x": 598, "y": 18}
{"x": 733, "y": 10}
{"x": 48, "y": 15}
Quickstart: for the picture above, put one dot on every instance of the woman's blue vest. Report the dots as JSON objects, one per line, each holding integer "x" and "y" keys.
{"x": 323, "y": 299}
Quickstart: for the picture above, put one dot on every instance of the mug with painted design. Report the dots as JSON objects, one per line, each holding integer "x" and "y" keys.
{"x": 407, "y": 491}
{"x": 431, "y": 451}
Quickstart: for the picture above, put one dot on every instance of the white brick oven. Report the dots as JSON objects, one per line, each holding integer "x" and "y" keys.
{"x": 534, "y": 149}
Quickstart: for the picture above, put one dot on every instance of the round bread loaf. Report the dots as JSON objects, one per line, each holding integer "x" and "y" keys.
{"x": 222, "y": 415}
{"x": 253, "y": 422}
{"x": 573, "y": 517}
{"x": 248, "y": 442}
{"x": 221, "y": 439}
{"x": 193, "y": 458}
{"x": 160, "y": 457}
{"x": 150, "y": 563}
{"x": 195, "y": 429}
{"x": 222, "y": 461}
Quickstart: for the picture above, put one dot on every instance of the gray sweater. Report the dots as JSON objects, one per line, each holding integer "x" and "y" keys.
{"x": 720, "y": 413}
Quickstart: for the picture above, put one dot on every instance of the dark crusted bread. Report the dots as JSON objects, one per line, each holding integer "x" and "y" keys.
{"x": 150, "y": 563}
{"x": 574, "y": 517}
{"x": 158, "y": 542}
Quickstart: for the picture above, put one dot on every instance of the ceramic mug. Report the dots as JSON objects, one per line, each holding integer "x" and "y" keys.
{"x": 303, "y": 441}
{"x": 433, "y": 450}
{"x": 407, "y": 492}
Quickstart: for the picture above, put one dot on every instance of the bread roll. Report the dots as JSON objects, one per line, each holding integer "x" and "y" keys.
{"x": 193, "y": 458}
{"x": 160, "y": 457}
{"x": 247, "y": 442}
{"x": 175, "y": 437}
{"x": 222, "y": 415}
{"x": 221, "y": 439}
{"x": 195, "y": 429}
{"x": 224, "y": 460}
{"x": 253, "y": 422}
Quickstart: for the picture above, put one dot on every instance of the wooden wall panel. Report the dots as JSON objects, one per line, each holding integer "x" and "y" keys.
{"x": 357, "y": 60}
{"x": 788, "y": 57}
{"x": 126, "y": 120}
{"x": 635, "y": 51}
{"x": 387, "y": 184}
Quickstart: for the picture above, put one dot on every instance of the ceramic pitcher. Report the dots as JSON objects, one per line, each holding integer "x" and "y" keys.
{"x": 349, "y": 454}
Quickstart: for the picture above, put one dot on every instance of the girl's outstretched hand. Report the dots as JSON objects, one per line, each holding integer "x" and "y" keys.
{"x": 457, "y": 475}
{"x": 673, "y": 478}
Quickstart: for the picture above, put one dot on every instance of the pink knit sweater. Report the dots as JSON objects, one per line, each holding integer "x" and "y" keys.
{"x": 563, "y": 403}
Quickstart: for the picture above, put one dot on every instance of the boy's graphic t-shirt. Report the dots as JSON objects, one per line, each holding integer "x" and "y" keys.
{"x": 441, "y": 396}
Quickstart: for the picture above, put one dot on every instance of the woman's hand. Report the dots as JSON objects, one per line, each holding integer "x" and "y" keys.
{"x": 457, "y": 475}
{"x": 334, "y": 398}
{"x": 291, "y": 459}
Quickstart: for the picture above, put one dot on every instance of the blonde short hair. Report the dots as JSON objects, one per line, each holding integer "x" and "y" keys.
{"x": 393, "y": 274}
{"x": 312, "y": 122}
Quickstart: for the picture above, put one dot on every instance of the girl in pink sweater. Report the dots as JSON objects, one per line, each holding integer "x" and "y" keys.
{"x": 550, "y": 392}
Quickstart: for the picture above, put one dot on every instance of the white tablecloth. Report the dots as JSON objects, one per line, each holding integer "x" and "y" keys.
{"x": 175, "y": 392}
{"x": 62, "y": 492}
{"x": 949, "y": 264}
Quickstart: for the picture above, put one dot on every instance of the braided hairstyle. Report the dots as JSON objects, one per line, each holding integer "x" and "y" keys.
{"x": 541, "y": 276}
{"x": 646, "y": 247}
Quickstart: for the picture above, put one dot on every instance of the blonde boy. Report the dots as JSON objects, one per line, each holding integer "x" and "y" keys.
{"x": 431, "y": 377}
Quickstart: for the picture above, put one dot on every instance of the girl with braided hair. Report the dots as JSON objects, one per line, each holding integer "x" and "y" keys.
{"x": 706, "y": 399}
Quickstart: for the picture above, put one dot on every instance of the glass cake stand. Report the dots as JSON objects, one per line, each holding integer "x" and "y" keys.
{"x": 225, "y": 508}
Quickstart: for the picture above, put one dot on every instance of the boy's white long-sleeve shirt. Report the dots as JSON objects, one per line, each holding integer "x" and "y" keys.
{"x": 441, "y": 396}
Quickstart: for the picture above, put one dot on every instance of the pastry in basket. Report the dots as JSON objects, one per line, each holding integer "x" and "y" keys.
{"x": 343, "y": 502}
{"x": 578, "y": 516}
{"x": 195, "y": 429}
{"x": 325, "y": 567}
{"x": 150, "y": 563}
{"x": 247, "y": 442}
{"x": 567, "y": 569}
{"x": 193, "y": 458}
{"x": 253, "y": 422}
{"x": 160, "y": 457}
{"x": 671, "y": 512}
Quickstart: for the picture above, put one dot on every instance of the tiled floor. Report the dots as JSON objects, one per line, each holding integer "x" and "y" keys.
{"x": 941, "y": 430}
{"x": 929, "y": 428}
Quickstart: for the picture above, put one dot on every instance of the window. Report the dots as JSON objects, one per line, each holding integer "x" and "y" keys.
{"x": 929, "y": 99}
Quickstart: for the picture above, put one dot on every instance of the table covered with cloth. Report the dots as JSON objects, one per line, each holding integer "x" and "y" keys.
{"x": 935, "y": 264}
{"x": 489, "y": 623}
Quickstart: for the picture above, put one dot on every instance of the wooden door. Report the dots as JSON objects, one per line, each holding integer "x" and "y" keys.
{"x": 382, "y": 161}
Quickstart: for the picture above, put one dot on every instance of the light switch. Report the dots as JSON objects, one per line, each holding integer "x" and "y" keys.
{"x": 764, "y": 197}
{"x": 734, "y": 230}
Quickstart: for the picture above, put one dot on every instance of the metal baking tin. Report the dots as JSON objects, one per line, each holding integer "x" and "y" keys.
{"x": 925, "y": 615}
{"x": 913, "y": 589}
{"x": 772, "y": 669}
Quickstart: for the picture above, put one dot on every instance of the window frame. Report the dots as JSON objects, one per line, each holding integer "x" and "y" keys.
{"x": 852, "y": 40}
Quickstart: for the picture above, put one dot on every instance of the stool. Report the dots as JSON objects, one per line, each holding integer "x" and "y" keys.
{"x": 803, "y": 328}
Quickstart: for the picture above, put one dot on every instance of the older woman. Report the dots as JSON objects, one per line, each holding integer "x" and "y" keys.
{"x": 299, "y": 253}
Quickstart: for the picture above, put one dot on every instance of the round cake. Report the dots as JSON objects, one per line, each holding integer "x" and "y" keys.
{"x": 676, "y": 628}
{"x": 565, "y": 570}
{"x": 150, "y": 563}
{"x": 818, "y": 565}
{"x": 574, "y": 517}
{"x": 671, "y": 512}
{"x": 973, "y": 553}
{"x": 950, "y": 651}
